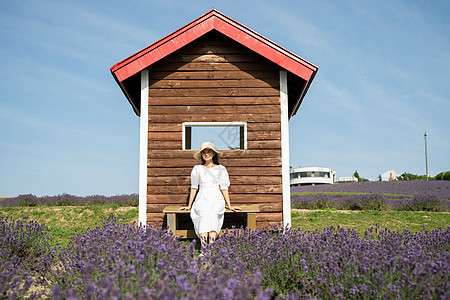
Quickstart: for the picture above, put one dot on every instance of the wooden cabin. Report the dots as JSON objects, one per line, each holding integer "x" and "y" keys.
{"x": 215, "y": 72}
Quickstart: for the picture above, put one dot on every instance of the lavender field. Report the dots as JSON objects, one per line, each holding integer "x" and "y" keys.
{"x": 70, "y": 200}
{"x": 117, "y": 260}
{"x": 417, "y": 195}
{"x": 123, "y": 261}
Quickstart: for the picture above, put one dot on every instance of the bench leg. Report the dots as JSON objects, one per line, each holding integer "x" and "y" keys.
{"x": 251, "y": 221}
{"x": 172, "y": 222}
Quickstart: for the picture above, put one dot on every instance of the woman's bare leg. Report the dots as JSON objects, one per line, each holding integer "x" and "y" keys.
{"x": 212, "y": 236}
{"x": 203, "y": 239}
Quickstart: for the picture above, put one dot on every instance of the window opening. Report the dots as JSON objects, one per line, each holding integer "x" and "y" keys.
{"x": 224, "y": 135}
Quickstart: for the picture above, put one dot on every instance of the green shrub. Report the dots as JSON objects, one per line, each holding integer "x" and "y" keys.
{"x": 27, "y": 200}
{"x": 443, "y": 176}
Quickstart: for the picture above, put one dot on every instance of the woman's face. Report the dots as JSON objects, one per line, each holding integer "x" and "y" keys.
{"x": 208, "y": 154}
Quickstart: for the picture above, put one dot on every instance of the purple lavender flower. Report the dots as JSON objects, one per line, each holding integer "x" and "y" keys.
{"x": 397, "y": 195}
{"x": 66, "y": 199}
{"x": 26, "y": 255}
{"x": 115, "y": 260}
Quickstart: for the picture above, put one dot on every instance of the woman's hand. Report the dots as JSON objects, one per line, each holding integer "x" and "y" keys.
{"x": 234, "y": 208}
{"x": 185, "y": 208}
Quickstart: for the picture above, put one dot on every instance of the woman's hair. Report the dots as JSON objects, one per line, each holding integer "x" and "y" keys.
{"x": 215, "y": 159}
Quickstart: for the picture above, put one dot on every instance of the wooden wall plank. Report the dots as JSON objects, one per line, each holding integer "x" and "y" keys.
{"x": 177, "y": 145}
{"x": 252, "y": 137}
{"x": 254, "y": 171}
{"x": 235, "y": 162}
{"x": 155, "y": 217}
{"x": 168, "y": 145}
{"x": 165, "y": 127}
{"x": 164, "y": 136}
{"x": 276, "y": 206}
{"x": 210, "y": 83}
{"x": 212, "y": 67}
{"x": 219, "y": 100}
{"x": 263, "y": 126}
{"x": 178, "y": 118}
{"x": 235, "y": 188}
{"x": 273, "y": 217}
{"x": 213, "y": 109}
{"x": 213, "y": 58}
{"x": 214, "y": 92}
{"x": 268, "y": 225}
{"x": 185, "y": 171}
{"x": 268, "y": 144}
{"x": 212, "y": 75}
{"x": 263, "y": 135}
{"x": 186, "y": 180}
{"x": 227, "y": 154}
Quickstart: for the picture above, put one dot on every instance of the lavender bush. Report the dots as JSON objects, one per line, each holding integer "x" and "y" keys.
{"x": 397, "y": 195}
{"x": 66, "y": 200}
{"x": 339, "y": 264}
{"x": 426, "y": 202}
{"x": 413, "y": 187}
{"x": 26, "y": 254}
{"x": 351, "y": 202}
{"x": 123, "y": 261}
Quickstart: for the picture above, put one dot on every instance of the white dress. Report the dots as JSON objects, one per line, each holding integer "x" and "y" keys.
{"x": 209, "y": 205}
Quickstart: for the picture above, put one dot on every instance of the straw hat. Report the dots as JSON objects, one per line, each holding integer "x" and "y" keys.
{"x": 207, "y": 145}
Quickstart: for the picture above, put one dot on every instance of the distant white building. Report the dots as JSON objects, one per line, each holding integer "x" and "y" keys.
{"x": 312, "y": 176}
{"x": 348, "y": 179}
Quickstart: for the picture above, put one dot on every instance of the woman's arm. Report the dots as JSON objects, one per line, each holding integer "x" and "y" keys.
{"x": 226, "y": 195}
{"x": 191, "y": 199}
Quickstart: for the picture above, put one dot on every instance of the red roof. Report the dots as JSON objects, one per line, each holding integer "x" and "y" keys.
{"x": 214, "y": 20}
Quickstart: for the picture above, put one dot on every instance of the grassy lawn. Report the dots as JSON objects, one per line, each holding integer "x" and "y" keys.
{"x": 361, "y": 220}
{"x": 65, "y": 221}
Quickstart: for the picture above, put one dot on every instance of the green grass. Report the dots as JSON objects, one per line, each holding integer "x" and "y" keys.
{"x": 66, "y": 221}
{"x": 361, "y": 220}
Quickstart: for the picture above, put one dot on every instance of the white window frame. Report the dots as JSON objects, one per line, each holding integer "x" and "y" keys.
{"x": 212, "y": 124}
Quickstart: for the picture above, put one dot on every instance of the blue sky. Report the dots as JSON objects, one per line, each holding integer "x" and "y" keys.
{"x": 66, "y": 127}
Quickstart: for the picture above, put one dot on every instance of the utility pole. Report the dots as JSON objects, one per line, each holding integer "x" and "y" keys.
{"x": 426, "y": 158}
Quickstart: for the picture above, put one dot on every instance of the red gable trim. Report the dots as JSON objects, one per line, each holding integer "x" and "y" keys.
{"x": 227, "y": 26}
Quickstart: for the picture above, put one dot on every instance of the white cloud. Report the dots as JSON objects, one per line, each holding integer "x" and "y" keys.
{"x": 341, "y": 96}
{"x": 76, "y": 32}
{"x": 302, "y": 31}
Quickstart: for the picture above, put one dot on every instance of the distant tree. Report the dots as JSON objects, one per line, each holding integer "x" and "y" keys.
{"x": 410, "y": 176}
{"x": 356, "y": 175}
{"x": 443, "y": 176}
{"x": 379, "y": 177}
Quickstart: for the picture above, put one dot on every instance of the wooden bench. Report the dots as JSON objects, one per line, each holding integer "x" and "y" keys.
{"x": 173, "y": 210}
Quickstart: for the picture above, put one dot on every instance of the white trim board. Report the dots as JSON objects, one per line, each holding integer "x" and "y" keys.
{"x": 285, "y": 176}
{"x": 143, "y": 148}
